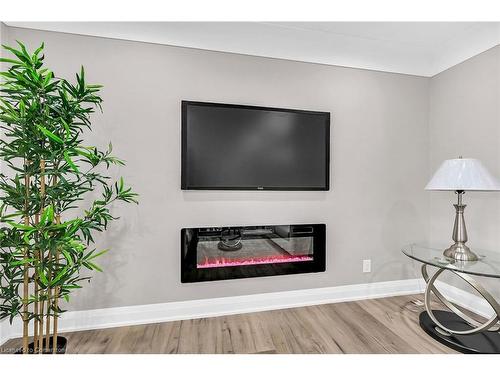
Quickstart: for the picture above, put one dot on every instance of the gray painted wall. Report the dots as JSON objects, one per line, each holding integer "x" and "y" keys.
{"x": 379, "y": 163}
{"x": 3, "y": 39}
{"x": 464, "y": 120}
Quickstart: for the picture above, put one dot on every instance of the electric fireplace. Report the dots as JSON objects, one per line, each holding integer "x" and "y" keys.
{"x": 219, "y": 253}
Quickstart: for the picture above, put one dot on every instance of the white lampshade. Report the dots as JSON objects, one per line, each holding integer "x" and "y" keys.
{"x": 463, "y": 174}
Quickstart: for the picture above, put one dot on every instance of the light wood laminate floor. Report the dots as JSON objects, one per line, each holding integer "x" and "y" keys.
{"x": 386, "y": 325}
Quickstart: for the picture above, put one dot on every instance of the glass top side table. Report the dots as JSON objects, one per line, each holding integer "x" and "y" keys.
{"x": 455, "y": 328}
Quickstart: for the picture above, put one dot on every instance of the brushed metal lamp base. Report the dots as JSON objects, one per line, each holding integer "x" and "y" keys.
{"x": 459, "y": 251}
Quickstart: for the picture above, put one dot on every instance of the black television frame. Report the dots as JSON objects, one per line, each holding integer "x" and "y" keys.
{"x": 184, "y": 185}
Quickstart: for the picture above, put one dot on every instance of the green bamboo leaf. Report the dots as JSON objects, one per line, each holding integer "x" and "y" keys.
{"x": 92, "y": 266}
{"x": 70, "y": 162}
{"x": 39, "y": 49}
{"x": 49, "y": 134}
{"x": 67, "y": 256}
{"x": 43, "y": 278}
{"x": 72, "y": 286}
{"x": 59, "y": 226}
{"x": 10, "y": 61}
{"x": 58, "y": 277}
{"x": 22, "y": 108}
{"x": 47, "y": 78}
{"x": 18, "y": 54}
{"x": 23, "y": 49}
{"x": 88, "y": 155}
{"x": 82, "y": 80}
{"x": 20, "y": 226}
{"x": 93, "y": 256}
{"x": 26, "y": 237}
{"x": 66, "y": 127}
{"x": 47, "y": 215}
{"x": 19, "y": 213}
{"x": 22, "y": 261}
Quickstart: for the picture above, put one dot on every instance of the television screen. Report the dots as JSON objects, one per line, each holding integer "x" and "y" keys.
{"x": 240, "y": 147}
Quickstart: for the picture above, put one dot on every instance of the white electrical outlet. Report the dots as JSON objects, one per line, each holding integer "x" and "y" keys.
{"x": 367, "y": 265}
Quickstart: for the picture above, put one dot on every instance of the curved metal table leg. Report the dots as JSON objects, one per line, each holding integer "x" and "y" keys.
{"x": 455, "y": 328}
{"x": 477, "y": 326}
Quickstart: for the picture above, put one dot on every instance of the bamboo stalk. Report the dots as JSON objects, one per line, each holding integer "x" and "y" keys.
{"x": 26, "y": 267}
{"x": 56, "y": 290}
{"x": 40, "y": 327}
{"x": 35, "y": 277}
{"x": 42, "y": 203}
{"x": 56, "y": 302}
{"x": 25, "y": 306}
{"x": 56, "y": 316}
{"x": 47, "y": 318}
{"x": 35, "y": 321}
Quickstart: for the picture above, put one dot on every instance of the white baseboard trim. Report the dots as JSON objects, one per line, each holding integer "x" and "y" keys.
{"x": 171, "y": 311}
{"x": 204, "y": 308}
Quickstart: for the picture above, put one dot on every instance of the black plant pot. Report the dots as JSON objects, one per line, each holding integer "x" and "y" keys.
{"x": 61, "y": 346}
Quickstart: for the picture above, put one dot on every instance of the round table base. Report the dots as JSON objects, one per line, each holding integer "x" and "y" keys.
{"x": 482, "y": 342}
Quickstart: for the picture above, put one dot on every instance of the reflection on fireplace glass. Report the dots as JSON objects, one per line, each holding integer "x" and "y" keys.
{"x": 245, "y": 246}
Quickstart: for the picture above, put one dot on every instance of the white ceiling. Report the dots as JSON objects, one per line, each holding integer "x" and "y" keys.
{"x": 420, "y": 48}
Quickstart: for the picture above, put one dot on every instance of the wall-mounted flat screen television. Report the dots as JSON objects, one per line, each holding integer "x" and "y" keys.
{"x": 239, "y": 147}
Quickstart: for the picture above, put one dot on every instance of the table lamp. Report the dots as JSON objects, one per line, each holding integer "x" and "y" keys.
{"x": 461, "y": 175}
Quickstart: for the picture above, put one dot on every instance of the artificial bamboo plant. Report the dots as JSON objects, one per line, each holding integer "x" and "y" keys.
{"x": 46, "y": 239}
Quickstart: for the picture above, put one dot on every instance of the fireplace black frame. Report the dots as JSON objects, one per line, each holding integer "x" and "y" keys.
{"x": 190, "y": 273}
